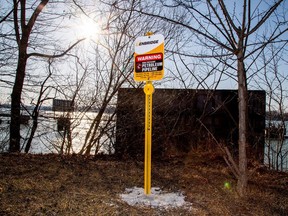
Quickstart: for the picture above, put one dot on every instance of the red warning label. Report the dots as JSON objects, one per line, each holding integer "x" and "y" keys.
{"x": 149, "y": 62}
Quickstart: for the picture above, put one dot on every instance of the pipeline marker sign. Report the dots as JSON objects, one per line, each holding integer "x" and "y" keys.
{"x": 149, "y": 58}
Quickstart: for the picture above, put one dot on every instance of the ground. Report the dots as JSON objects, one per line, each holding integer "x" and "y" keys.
{"x": 79, "y": 185}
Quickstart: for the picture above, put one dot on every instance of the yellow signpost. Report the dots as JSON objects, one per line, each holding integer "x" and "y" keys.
{"x": 148, "y": 66}
{"x": 148, "y": 90}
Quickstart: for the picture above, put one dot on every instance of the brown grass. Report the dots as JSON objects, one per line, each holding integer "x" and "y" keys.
{"x": 78, "y": 185}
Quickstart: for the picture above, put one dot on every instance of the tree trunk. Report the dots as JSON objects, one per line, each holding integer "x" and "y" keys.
{"x": 34, "y": 128}
{"x": 243, "y": 117}
{"x": 16, "y": 99}
{"x": 95, "y": 127}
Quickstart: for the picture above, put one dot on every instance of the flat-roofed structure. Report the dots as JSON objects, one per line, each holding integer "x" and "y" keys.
{"x": 187, "y": 119}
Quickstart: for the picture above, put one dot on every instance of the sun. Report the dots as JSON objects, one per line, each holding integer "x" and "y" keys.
{"x": 88, "y": 28}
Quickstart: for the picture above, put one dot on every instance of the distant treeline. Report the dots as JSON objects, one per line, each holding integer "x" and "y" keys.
{"x": 275, "y": 115}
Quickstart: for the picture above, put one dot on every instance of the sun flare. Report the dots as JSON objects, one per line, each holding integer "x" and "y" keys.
{"x": 89, "y": 28}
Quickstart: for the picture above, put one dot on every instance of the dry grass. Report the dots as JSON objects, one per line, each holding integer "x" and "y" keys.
{"x": 78, "y": 185}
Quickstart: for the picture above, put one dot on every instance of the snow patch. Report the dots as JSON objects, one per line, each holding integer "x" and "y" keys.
{"x": 135, "y": 196}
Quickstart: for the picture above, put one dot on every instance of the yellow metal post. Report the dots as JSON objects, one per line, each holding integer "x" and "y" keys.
{"x": 148, "y": 90}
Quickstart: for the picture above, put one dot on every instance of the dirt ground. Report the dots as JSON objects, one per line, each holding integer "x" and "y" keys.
{"x": 79, "y": 185}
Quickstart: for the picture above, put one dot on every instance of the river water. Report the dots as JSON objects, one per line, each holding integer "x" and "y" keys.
{"x": 47, "y": 138}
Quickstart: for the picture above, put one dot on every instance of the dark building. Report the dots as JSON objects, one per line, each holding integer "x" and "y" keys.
{"x": 186, "y": 119}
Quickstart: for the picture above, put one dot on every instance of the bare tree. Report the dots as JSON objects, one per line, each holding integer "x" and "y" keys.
{"x": 24, "y": 19}
{"x": 108, "y": 65}
{"x": 42, "y": 97}
{"x": 276, "y": 82}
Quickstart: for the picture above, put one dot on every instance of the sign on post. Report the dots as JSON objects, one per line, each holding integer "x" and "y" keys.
{"x": 148, "y": 66}
{"x": 149, "y": 58}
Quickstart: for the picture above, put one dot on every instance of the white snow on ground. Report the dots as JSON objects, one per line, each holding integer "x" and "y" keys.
{"x": 157, "y": 198}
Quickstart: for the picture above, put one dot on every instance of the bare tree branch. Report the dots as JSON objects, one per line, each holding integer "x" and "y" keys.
{"x": 265, "y": 17}
{"x": 56, "y": 55}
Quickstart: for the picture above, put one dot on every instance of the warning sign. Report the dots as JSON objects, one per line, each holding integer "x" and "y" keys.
{"x": 149, "y": 58}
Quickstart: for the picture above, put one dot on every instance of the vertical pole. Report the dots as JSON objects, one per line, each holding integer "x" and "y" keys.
{"x": 148, "y": 90}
